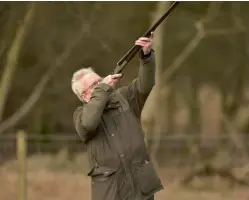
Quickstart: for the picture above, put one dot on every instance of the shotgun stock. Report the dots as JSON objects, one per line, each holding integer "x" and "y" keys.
{"x": 134, "y": 50}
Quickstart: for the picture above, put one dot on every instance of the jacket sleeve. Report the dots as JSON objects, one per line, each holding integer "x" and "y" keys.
{"x": 138, "y": 91}
{"x": 87, "y": 117}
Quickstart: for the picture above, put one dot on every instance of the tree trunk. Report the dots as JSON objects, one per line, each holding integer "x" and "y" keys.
{"x": 153, "y": 114}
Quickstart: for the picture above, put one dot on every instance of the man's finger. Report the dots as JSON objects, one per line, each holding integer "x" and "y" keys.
{"x": 141, "y": 43}
{"x": 144, "y": 39}
{"x": 117, "y": 75}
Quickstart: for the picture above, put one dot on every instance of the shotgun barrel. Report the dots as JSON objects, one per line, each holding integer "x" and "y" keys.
{"x": 134, "y": 50}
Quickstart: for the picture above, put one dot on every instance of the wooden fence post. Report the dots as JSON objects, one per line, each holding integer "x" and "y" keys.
{"x": 21, "y": 157}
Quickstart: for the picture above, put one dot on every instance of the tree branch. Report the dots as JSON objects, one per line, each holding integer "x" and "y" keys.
{"x": 35, "y": 95}
{"x": 13, "y": 55}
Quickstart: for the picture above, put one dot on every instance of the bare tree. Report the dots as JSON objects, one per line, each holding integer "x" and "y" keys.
{"x": 53, "y": 67}
{"x": 209, "y": 98}
{"x": 154, "y": 112}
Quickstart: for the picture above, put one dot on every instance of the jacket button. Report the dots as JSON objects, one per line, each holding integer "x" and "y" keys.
{"x": 122, "y": 155}
{"x": 112, "y": 134}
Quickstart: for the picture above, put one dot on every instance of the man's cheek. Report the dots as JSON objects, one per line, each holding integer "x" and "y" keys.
{"x": 86, "y": 82}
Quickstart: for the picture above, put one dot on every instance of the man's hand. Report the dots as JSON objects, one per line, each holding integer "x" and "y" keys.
{"x": 111, "y": 79}
{"x": 145, "y": 43}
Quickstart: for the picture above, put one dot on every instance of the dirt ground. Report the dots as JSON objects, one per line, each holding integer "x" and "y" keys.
{"x": 69, "y": 183}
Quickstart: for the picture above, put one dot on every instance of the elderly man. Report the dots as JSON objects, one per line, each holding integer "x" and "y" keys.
{"x": 108, "y": 122}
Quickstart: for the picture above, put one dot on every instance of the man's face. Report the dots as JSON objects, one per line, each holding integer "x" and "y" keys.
{"x": 90, "y": 81}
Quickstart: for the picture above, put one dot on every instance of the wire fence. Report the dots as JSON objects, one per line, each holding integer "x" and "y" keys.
{"x": 176, "y": 150}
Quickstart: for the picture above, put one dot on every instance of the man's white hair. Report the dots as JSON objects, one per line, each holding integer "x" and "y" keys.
{"x": 76, "y": 85}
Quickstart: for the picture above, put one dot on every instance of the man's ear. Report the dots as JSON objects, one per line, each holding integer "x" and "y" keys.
{"x": 81, "y": 96}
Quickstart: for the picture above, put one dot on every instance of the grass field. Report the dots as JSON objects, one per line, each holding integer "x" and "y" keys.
{"x": 64, "y": 183}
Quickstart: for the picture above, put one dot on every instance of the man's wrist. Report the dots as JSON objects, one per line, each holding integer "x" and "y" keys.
{"x": 146, "y": 55}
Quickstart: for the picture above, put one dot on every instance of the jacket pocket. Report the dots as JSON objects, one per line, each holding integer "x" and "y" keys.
{"x": 147, "y": 179}
{"x": 104, "y": 185}
{"x": 101, "y": 173}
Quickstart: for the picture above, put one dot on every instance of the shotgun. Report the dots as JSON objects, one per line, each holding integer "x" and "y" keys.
{"x": 134, "y": 50}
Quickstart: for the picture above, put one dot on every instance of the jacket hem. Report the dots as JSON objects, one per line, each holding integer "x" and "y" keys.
{"x": 153, "y": 193}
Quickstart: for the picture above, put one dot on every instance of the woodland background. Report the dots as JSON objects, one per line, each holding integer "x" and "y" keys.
{"x": 196, "y": 119}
